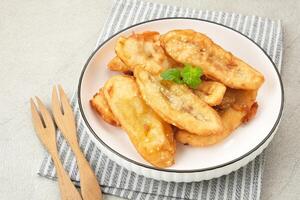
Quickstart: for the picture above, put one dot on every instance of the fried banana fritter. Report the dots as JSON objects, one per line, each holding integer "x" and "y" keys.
{"x": 143, "y": 50}
{"x": 188, "y": 46}
{"x": 211, "y": 92}
{"x": 116, "y": 64}
{"x": 177, "y": 104}
{"x": 100, "y": 105}
{"x": 152, "y": 137}
{"x": 233, "y": 109}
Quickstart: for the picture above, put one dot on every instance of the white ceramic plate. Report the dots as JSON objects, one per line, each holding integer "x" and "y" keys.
{"x": 191, "y": 163}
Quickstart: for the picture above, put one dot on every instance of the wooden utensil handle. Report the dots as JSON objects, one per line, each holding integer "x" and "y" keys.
{"x": 90, "y": 188}
{"x": 67, "y": 189}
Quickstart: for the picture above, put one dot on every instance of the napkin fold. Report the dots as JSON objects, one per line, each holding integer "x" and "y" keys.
{"x": 244, "y": 183}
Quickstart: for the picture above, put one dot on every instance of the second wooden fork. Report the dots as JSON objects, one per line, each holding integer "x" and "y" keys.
{"x": 64, "y": 118}
{"x": 45, "y": 130}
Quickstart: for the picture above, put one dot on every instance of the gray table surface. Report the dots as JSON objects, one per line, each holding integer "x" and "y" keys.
{"x": 43, "y": 43}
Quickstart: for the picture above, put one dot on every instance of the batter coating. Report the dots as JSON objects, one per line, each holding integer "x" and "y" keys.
{"x": 211, "y": 92}
{"x": 235, "y": 106}
{"x": 152, "y": 137}
{"x": 101, "y": 106}
{"x": 188, "y": 46}
{"x": 116, "y": 64}
{"x": 177, "y": 104}
{"x": 143, "y": 50}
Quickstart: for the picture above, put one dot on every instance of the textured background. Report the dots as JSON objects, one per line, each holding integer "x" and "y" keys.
{"x": 47, "y": 42}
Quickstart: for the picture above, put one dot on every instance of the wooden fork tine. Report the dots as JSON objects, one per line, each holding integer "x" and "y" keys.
{"x": 55, "y": 102}
{"x": 38, "y": 124}
{"x": 45, "y": 114}
{"x": 64, "y": 100}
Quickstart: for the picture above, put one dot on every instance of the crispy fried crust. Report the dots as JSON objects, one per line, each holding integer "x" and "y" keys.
{"x": 211, "y": 92}
{"x": 232, "y": 116}
{"x": 251, "y": 113}
{"x": 116, "y": 64}
{"x": 177, "y": 104}
{"x": 188, "y": 46}
{"x": 151, "y": 136}
{"x": 100, "y": 105}
{"x": 143, "y": 50}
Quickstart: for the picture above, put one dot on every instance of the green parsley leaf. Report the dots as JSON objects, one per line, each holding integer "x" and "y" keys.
{"x": 191, "y": 75}
{"x": 172, "y": 74}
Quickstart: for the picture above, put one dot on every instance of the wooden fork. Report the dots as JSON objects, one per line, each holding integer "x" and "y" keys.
{"x": 64, "y": 118}
{"x": 45, "y": 130}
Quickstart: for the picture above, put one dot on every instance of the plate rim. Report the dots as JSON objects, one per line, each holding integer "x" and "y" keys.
{"x": 175, "y": 170}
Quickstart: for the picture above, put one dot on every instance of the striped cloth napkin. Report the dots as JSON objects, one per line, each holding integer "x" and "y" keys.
{"x": 244, "y": 183}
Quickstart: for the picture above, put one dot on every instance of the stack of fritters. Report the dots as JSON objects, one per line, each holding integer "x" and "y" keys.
{"x": 146, "y": 106}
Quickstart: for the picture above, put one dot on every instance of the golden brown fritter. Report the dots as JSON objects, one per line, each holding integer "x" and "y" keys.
{"x": 116, "y": 64}
{"x": 236, "y": 105}
{"x": 100, "y": 105}
{"x": 143, "y": 50}
{"x": 177, "y": 104}
{"x": 188, "y": 46}
{"x": 152, "y": 137}
{"x": 211, "y": 92}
